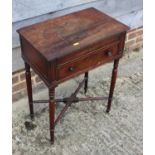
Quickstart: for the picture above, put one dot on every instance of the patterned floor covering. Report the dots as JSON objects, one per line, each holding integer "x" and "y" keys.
{"x": 86, "y": 128}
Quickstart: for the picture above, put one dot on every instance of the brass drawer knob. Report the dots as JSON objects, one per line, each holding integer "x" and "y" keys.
{"x": 109, "y": 53}
{"x": 71, "y": 69}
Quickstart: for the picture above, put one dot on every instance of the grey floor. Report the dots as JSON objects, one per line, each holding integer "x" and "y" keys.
{"x": 86, "y": 128}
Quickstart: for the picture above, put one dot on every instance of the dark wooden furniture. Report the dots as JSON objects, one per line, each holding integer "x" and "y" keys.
{"x": 67, "y": 46}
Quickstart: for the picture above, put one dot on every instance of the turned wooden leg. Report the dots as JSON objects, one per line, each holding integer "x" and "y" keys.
{"x": 29, "y": 89}
{"x": 86, "y": 82}
{"x": 112, "y": 86}
{"x": 52, "y": 112}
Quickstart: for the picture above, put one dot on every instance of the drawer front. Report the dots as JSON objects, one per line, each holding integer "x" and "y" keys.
{"x": 85, "y": 63}
{"x": 88, "y": 50}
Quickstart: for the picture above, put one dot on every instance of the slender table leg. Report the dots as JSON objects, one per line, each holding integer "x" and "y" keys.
{"x": 112, "y": 86}
{"x": 86, "y": 82}
{"x": 29, "y": 89}
{"x": 52, "y": 112}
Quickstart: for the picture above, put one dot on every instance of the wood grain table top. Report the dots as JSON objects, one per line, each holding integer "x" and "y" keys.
{"x": 56, "y": 38}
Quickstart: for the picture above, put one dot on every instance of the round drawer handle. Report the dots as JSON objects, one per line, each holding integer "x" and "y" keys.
{"x": 71, "y": 69}
{"x": 109, "y": 53}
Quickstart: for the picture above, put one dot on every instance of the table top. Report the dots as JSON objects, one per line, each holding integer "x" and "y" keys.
{"x": 70, "y": 33}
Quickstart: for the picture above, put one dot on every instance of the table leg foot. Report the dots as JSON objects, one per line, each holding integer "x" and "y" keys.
{"x": 52, "y": 136}
{"x": 108, "y": 106}
{"x": 32, "y": 117}
{"x": 112, "y": 86}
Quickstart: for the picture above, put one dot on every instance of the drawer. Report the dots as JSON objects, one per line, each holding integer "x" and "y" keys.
{"x": 87, "y": 62}
{"x": 89, "y": 49}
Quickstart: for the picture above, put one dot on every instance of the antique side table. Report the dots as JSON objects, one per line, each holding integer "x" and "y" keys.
{"x": 67, "y": 46}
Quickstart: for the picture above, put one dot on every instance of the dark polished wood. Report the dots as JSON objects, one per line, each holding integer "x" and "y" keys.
{"x": 112, "y": 86}
{"x": 86, "y": 82}
{"x": 67, "y": 46}
{"x": 52, "y": 112}
{"x": 29, "y": 89}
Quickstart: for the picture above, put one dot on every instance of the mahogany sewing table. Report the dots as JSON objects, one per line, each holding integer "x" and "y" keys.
{"x": 67, "y": 46}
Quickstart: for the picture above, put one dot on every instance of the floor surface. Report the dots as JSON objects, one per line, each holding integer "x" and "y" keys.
{"x": 86, "y": 127}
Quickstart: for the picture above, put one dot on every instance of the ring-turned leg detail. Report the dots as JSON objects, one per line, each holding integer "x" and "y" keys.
{"x": 52, "y": 112}
{"x": 29, "y": 89}
{"x": 112, "y": 86}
